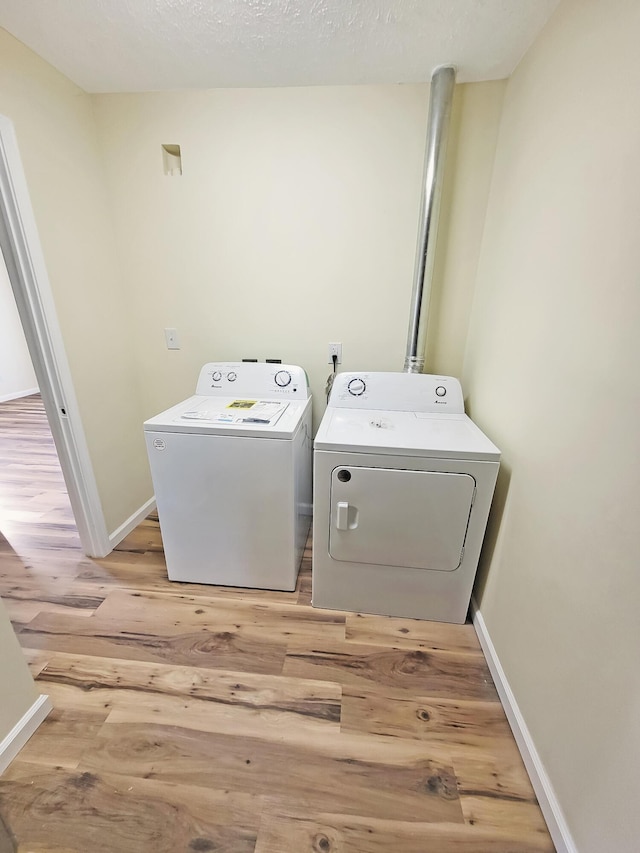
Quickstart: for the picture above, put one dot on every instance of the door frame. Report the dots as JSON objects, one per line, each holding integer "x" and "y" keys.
{"x": 22, "y": 251}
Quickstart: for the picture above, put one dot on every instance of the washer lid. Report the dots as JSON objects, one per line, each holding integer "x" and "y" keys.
{"x": 231, "y": 415}
{"x": 403, "y": 434}
{"x": 239, "y": 411}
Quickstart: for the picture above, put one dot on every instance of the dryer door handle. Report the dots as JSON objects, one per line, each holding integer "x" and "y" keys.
{"x": 342, "y": 515}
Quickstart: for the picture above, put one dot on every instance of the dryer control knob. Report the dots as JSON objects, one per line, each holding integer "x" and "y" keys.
{"x": 232, "y": 376}
{"x": 283, "y": 378}
{"x": 441, "y": 391}
{"x": 216, "y": 376}
{"x": 356, "y": 387}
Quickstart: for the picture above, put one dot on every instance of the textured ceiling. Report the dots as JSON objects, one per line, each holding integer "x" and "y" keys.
{"x": 142, "y": 45}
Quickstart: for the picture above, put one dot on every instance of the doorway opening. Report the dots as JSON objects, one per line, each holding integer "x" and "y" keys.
{"x": 34, "y": 503}
{"x": 20, "y": 247}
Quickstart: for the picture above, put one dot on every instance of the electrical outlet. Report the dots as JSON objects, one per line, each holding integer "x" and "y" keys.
{"x": 335, "y": 349}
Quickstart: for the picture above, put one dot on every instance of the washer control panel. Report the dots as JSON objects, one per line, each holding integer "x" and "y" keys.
{"x": 398, "y": 392}
{"x": 253, "y": 379}
{"x": 356, "y": 387}
{"x": 282, "y": 378}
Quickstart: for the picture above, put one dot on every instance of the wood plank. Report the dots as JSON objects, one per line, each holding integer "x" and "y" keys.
{"x": 458, "y": 722}
{"x": 205, "y": 700}
{"x": 411, "y": 633}
{"x": 145, "y": 537}
{"x": 323, "y": 773}
{"x": 33, "y": 595}
{"x": 22, "y": 612}
{"x": 32, "y": 567}
{"x": 339, "y": 833}
{"x": 7, "y": 841}
{"x": 61, "y": 595}
{"x": 494, "y": 813}
{"x": 498, "y": 775}
{"x": 275, "y": 622}
{"x": 63, "y": 737}
{"x": 36, "y": 659}
{"x": 437, "y": 674}
{"x": 160, "y": 643}
{"x": 75, "y": 812}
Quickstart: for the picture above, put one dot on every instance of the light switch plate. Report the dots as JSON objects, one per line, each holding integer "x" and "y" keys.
{"x": 171, "y": 337}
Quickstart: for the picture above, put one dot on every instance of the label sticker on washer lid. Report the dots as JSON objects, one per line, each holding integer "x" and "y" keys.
{"x": 242, "y": 404}
{"x": 159, "y": 443}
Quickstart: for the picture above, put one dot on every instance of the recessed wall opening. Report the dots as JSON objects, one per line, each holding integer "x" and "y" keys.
{"x": 171, "y": 160}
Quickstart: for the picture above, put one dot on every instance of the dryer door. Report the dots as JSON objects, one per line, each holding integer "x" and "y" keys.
{"x": 390, "y": 517}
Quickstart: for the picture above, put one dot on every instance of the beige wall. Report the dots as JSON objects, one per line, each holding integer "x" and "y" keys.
{"x": 293, "y": 224}
{"x": 475, "y": 120}
{"x": 551, "y": 372}
{"x": 56, "y": 134}
{"x": 18, "y": 692}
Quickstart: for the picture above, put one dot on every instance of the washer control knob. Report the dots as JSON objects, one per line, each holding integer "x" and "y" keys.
{"x": 356, "y": 387}
{"x": 232, "y": 376}
{"x": 283, "y": 378}
{"x": 216, "y": 376}
{"x": 441, "y": 391}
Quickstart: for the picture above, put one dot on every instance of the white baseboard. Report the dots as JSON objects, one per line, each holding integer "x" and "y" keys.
{"x": 133, "y": 521}
{"x": 22, "y": 731}
{"x": 542, "y": 786}
{"x": 15, "y": 395}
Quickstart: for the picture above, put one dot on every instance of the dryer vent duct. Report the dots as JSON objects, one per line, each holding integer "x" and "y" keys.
{"x": 441, "y": 95}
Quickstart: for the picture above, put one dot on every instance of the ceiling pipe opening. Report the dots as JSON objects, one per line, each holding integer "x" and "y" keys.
{"x": 443, "y": 82}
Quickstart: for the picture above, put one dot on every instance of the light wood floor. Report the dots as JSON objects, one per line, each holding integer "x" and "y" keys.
{"x": 195, "y": 718}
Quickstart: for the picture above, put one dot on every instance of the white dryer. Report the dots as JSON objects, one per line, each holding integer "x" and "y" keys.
{"x": 403, "y": 486}
{"x": 231, "y": 469}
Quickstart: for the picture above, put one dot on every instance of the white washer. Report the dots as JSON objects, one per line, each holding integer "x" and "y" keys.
{"x": 231, "y": 470}
{"x": 403, "y": 486}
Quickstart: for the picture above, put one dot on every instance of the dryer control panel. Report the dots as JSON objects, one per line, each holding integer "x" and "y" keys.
{"x": 253, "y": 379}
{"x": 398, "y": 392}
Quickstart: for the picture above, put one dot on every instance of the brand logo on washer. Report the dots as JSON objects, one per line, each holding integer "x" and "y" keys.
{"x": 159, "y": 443}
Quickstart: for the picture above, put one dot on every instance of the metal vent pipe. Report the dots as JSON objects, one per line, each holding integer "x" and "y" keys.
{"x": 443, "y": 81}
